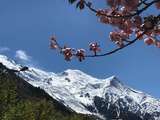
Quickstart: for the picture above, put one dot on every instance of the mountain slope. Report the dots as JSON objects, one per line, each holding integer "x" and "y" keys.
{"x": 21, "y": 101}
{"x": 105, "y": 98}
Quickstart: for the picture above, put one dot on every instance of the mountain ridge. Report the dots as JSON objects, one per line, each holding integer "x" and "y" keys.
{"x": 19, "y": 100}
{"x": 107, "y": 98}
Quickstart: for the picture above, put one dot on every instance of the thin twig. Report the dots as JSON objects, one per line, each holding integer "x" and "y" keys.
{"x": 142, "y": 2}
{"x": 117, "y": 49}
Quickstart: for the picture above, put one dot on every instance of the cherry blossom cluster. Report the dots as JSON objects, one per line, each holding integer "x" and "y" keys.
{"x": 95, "y": 47}
{"x": 119, "y": 37}
{"x": 128, "y": 5}
{"x": 125, "y": 16}
{"x": 119, "y": 15}
{"x": 53, "y": 43}
{"x": 69, "y": 53}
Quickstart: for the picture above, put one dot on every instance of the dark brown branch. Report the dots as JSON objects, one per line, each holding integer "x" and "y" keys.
{"x": 126, "y": 40}
{"x": 120, "y": 48}
{"x": 117, "y": 49}
{"x": 129, "y": 43}
{"x": 142, "y": 2}
{"x": 124, "y": 16}
{"x": 113, "y": 51}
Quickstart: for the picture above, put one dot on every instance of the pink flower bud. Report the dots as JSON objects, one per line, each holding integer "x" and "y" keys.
{"x": 149, "y": 41}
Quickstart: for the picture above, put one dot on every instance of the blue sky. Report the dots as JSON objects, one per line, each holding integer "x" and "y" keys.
{"x": 26, "y": 26}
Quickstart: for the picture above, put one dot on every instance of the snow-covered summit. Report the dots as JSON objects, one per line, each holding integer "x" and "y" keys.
{"x": 8, "y": 62}
{"x": 89, "y": 95}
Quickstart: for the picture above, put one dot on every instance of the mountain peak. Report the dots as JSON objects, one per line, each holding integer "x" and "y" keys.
{"x": 114, "y": 81}
{"x": 74, "y": 71}
{"x": 8, "y": 62}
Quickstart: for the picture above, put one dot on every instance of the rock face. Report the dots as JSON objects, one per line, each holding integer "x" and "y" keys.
{"x": 106, "y": 98}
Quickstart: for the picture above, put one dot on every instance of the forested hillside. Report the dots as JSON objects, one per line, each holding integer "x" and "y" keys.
{"x": 21, "y": 101}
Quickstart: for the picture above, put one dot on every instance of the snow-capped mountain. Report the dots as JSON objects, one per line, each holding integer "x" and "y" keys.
{"x": 107, "y": 98}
